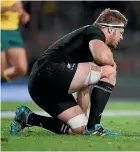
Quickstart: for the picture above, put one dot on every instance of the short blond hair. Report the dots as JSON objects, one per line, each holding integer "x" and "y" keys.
{"x": 110, "y": 16}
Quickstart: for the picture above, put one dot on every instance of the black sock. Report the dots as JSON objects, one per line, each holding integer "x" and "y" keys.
{"x": 99, "y": 98}
{"x": 49, "y": 123}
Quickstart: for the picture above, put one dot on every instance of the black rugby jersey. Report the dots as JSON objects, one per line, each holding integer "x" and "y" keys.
{"x": 74, "y": 47}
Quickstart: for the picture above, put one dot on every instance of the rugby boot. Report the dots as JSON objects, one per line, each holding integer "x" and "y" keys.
{"x": 98, "y": 130}
{"x": 20, "y": 120}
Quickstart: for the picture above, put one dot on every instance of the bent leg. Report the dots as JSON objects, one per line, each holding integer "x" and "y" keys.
{"x": 75, "y": 118}
{"x": 18, "y": 59}
{"x": 100, "y": 95}
{"x": 86, "y": 74}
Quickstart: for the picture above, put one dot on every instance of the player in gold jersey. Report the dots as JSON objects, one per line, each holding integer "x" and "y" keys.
{"x": 13, "y": 52}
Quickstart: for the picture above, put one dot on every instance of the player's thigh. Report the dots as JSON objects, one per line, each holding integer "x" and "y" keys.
{"x": 4, "y": 63}
{"x": 64, "y": 109}
{"x": 16, "y": 52}
{"x": 58, "y": 106}
{"x": 52, "y": 100}
{"x": 85, "y": 75}
{"x": 70, "y": 113}
{"x": 79, "y": 77}
{"x": 17, "y": 57}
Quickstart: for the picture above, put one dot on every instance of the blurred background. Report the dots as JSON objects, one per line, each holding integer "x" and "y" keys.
{"x": 50, "y": 20}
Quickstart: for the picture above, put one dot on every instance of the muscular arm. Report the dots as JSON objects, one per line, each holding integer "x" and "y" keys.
{"x": 19, "y": 7}
{"x": 24, "y": 16}
{"x": 101, "y": 53}
{"x": 5, "y": 9}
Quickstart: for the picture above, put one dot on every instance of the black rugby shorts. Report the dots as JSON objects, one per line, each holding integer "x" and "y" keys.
{"x": 49, "y": 85}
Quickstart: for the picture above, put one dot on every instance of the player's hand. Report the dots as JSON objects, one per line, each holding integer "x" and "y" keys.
{"x": 24, "y": 18}
{"x": 115, "y": 65}
{"x": 106, "y": 71}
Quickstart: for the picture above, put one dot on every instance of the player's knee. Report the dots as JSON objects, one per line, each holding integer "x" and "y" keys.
{"x": 113, "y": 73}
{"x": 78, "y": 123}
{"x": 21, "y": 68}
{"x": 2, "y": 71}
{"x": 109, "y": 72}
{"x": 79, "y": 130}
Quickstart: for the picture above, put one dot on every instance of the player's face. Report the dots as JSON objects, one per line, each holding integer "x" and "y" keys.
{"x": 116, "y": 37}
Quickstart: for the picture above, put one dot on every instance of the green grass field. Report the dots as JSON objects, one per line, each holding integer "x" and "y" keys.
{"x": 38, "y": 139}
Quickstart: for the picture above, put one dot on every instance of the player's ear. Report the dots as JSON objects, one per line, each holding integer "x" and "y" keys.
{"x": 110, "y": 30}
